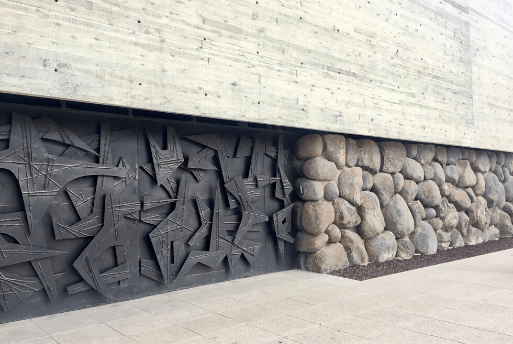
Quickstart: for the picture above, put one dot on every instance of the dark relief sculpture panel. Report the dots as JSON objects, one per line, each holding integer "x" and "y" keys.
{"x": 98, "y": 209}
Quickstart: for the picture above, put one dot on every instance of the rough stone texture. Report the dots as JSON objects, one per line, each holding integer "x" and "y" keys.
{"x": 381, "y": 247}
{"x": 463, "y": 223}
{"x": 444, "y": 208}
{"x": 436, "y": 197}
{"x": 405, "y": 248}
{"x": 508, "y": 191}
{"x": 330, "y": 258}
{"x": 467, "y": 176}
{"x": 418, "y": 212}
{"x": 474, "y": 236}
{"x": 368, "y": 181}
{"x": 335, "y": 149}
{"x": 508, "y": 162}
{"x": 436, "y": 223}
{"x": 383, "y": 187}
{"x": 491, "y": 233}
{"x": 452, "y": 174}
{"x": 393, "y": 155}
{"x": 507, "y": 175}
{"x": 494, "y": 192}
{"x": 309, "y": 146}
{"x": 448, "y": 215}
{"x": 411, "y": 150}
{"x": 369, "y": 156}
{"x": 398, "y": 182}
{"x": 373, "y": 222}
{"x": 430, "y": 213}
{"x": 317, "y": 216}
{"x": 424, "y": 239}
{"x": 453, "y": 155}
{"x": 297, "y": 215}
{"x": 482, "y": 162}
{"x": 309, "y": 190}
{"x": 470, "y": 194}
{"x": 479, "y": 214}
{"x": 331, "y": 191}
{"x": 355, "y": 248}
{"x": 480, "y": 186}
{"x": 412, "y": 170}
{"x": 456, "y": 239}
{"x": 500, "y": 158}
{"x": 450, "y": 221}
{"x": 429, "y": 194}
{"x": 445, "y": 189}
{"x": 409, "y": 191}
{"x": 498, "y": 172}
{"x": 333, "y": 233}
{"x": 441, "y": 155}
{"x": 443, "y": 239}
{"x": 320, "y": 169}
{"x": 471, "y": 155}
{"x": 350, "y": 182}
{"x": 494, "y": 216}
{"x": 429, "y": 172}
{"x": 306, "y": 242}
{"x": 504, "y": 225}
{"x": 351, "y": 152}
{"x": 398, "y": 218}
{"x": 425, "y": 153}
{"x": 346, "y": 215}
{"x": 508, "y": 208}
{"x": 493, "y": 160}
{"x": 438, "y": 173}
{"x": 459, "y": 198}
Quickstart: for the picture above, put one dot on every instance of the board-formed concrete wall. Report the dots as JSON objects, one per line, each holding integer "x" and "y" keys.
{"x": 367, "y": 201}
{"x": 429, "y": 71}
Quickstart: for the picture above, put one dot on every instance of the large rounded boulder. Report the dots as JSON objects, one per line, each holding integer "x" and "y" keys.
{"x": 424, "y": 238}
{"x": 309, "y": 146}
{"x": 373, "y": 222}
{"x": 329, "y": 258}
{"x": 383, "y": 187}
{"x": 335, "y": 149}
{"x": 320, "y": 169}
{"x": 381, "y": 247}
{"x": 355, "y": 248}
{"x": 393, "y": 155}
{"x": 306, "y": 242}
{"x": 412, "y": 170}
{"x": 429, "y": 194}
{"x": 317, "y": 216}
{"x": 369, "y": 156}
{"x": 350, "y": 182}
{"x": 398, "y": 218}
{"x": 346, "y": 215}
{"x": 425, "y": 153}
{"x": 494, "y": 193}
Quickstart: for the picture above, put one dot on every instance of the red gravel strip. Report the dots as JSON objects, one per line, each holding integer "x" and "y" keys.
{"x": 374, "y": 270}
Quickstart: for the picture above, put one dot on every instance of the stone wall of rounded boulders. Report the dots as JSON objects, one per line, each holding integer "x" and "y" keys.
{"x": 365, "y": 201}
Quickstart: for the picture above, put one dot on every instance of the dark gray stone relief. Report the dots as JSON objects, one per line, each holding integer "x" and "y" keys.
{"x": 102, "y": 209}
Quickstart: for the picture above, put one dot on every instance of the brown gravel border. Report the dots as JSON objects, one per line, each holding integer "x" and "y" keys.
{"x": 373, "y": 270}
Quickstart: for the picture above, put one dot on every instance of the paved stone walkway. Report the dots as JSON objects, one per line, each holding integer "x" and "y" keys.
{"x": 467, "y": 301}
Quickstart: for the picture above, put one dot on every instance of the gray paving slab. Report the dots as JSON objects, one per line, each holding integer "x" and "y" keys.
{"x": 466, "y": 301}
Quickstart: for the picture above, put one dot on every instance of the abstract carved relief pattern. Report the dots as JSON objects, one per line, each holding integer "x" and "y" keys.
{"x": 204, "y": 200}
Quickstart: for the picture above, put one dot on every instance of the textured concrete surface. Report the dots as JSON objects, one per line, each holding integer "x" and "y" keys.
{"x": 466, "y": 301}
